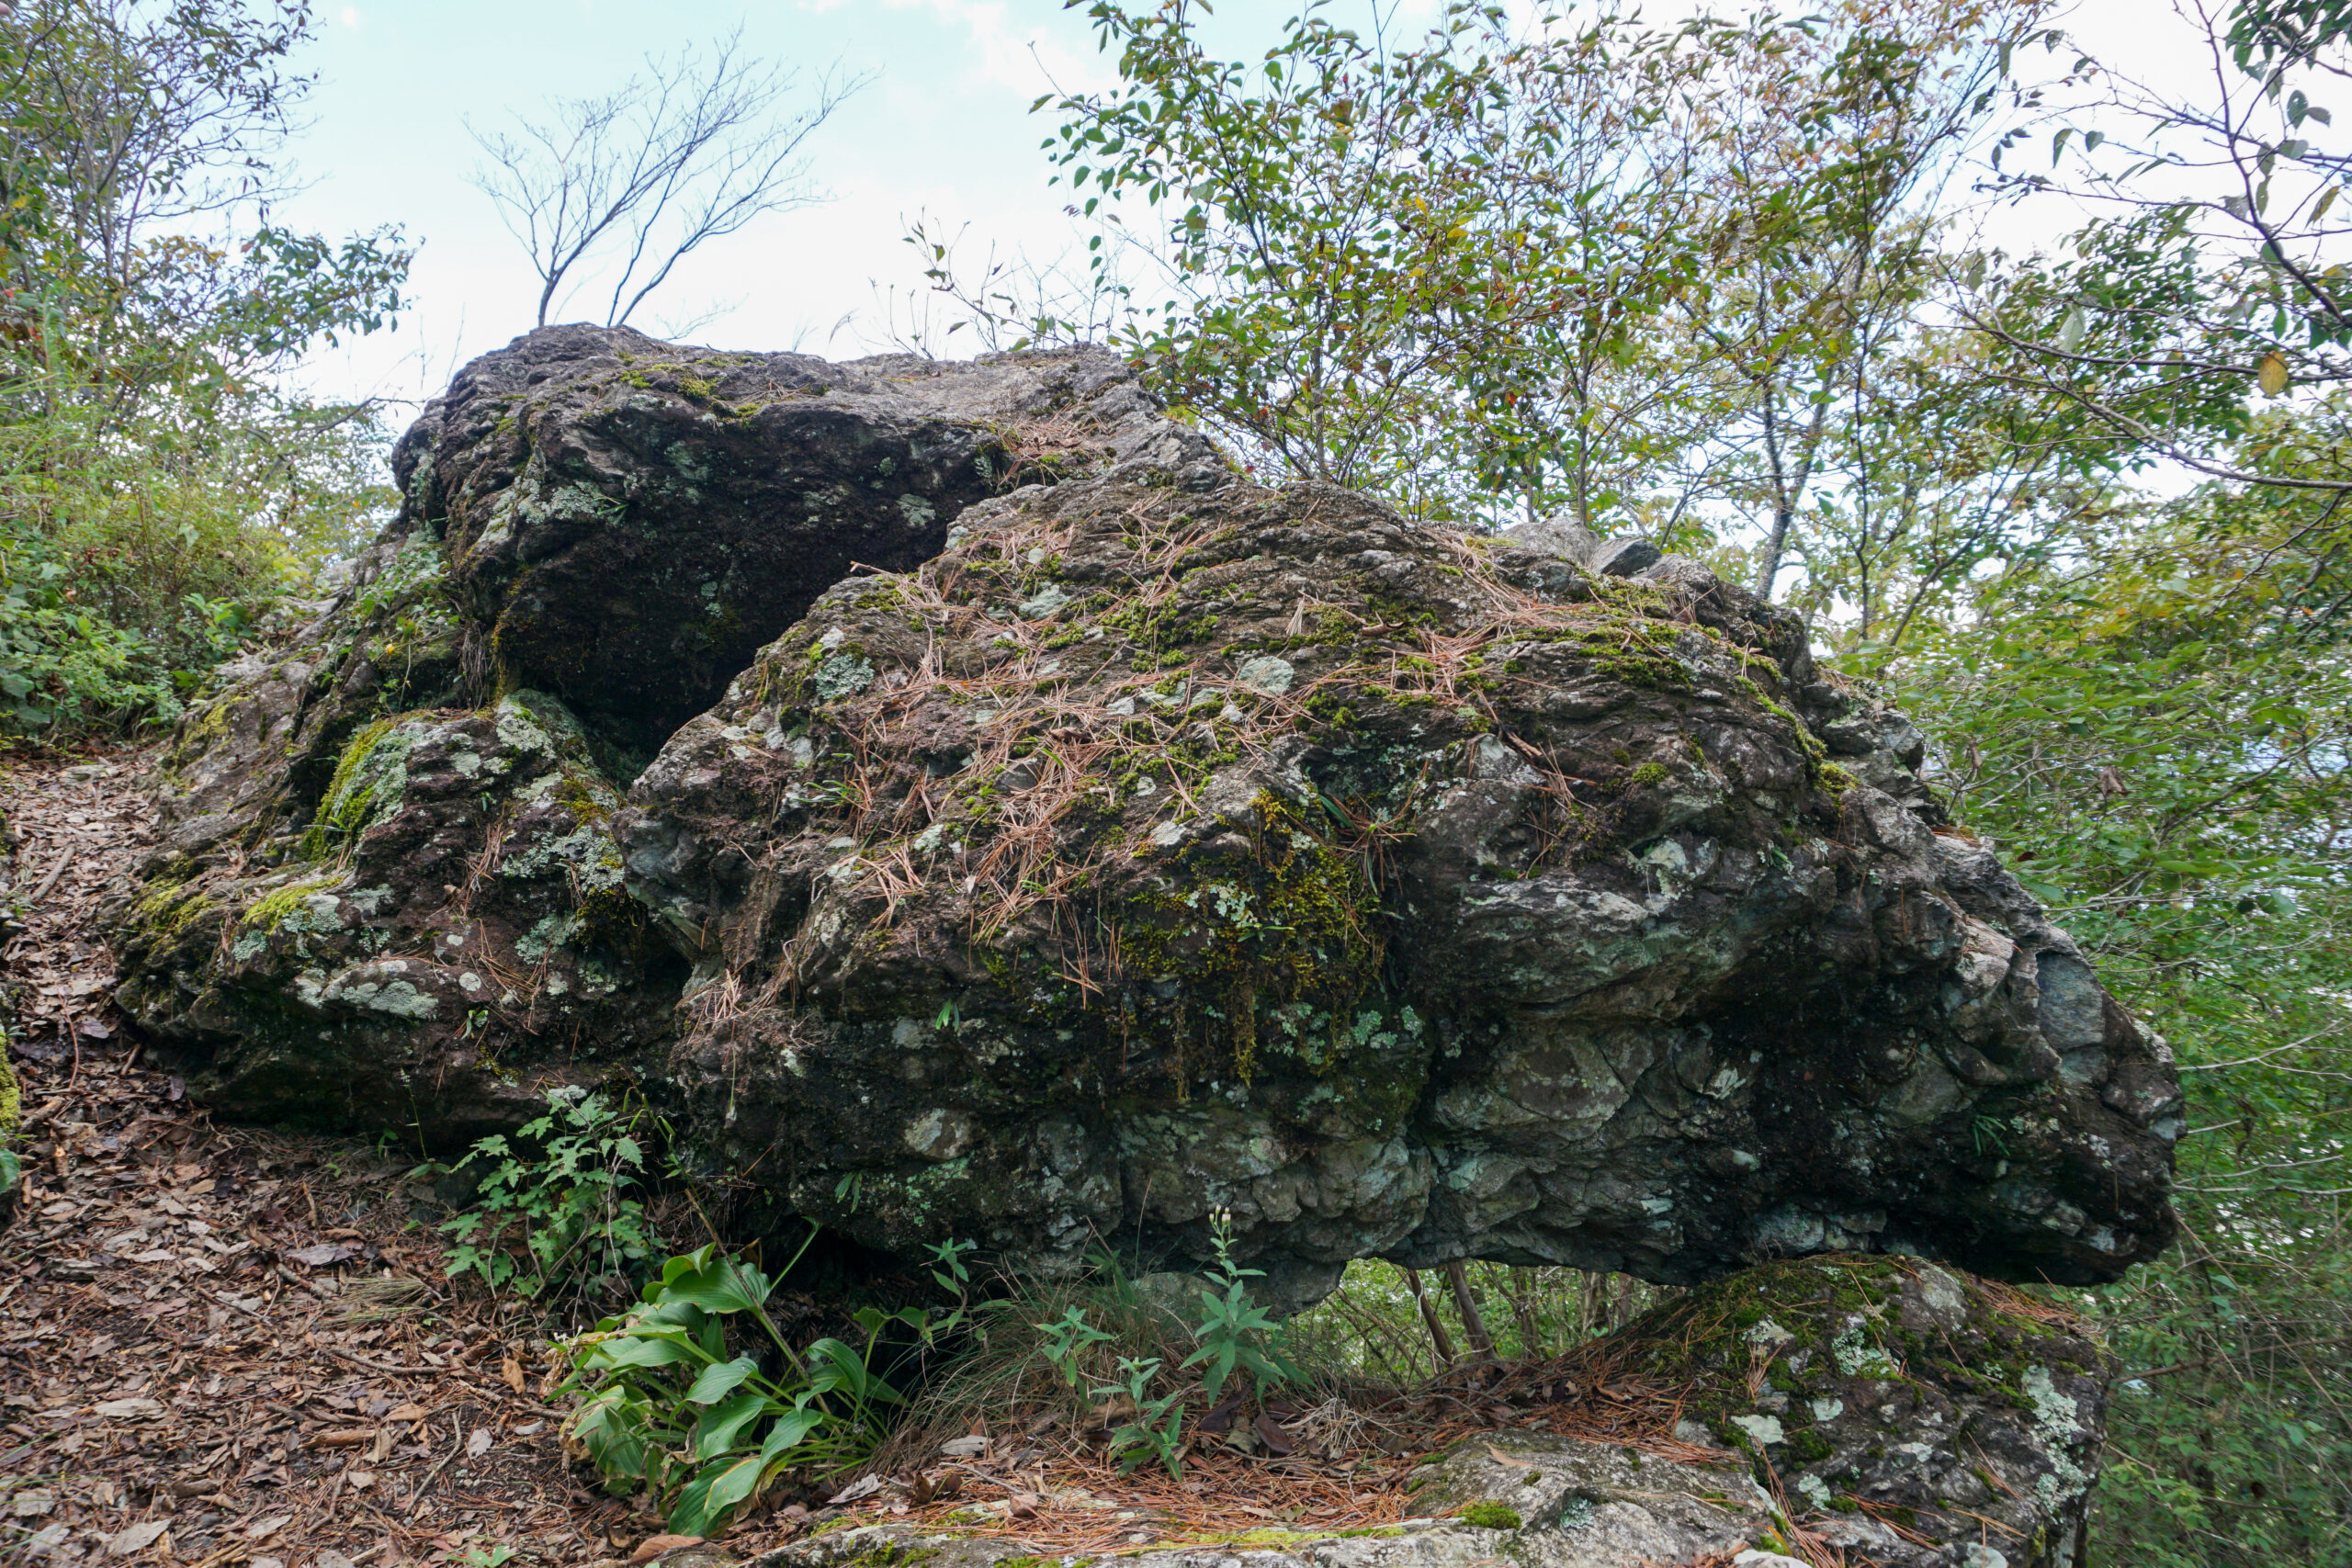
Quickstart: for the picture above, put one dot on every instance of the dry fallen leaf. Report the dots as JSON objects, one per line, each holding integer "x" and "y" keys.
{"x": 268, "y": 1528}
{"x": 350, "y": 1439}
{"x": 1502, "y": 1458}
{"x": 479, "y": 1444}
{"x": 128, "y": 1409}
{"x": 138, "y": 1538}
{"x": 512, "y": 1370}
{"x": 654, "y": 1546}
{"x": 324, "y": 1255}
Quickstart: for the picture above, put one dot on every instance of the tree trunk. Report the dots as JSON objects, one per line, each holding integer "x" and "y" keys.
{"x": 1474, "y": 1323}
{"x": 1521, "y": 1292}
{"x": 1446, "y": 1354}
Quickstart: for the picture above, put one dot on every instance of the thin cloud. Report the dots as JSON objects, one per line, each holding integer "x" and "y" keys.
{"x": 1026, "y": 57}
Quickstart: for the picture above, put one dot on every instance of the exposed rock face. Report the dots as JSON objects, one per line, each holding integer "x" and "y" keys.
{"x": 1891, "y": 1391}
{"x": 387, "y": 894}
{"x": 628, "y": 520}
{"x": 1159, "y": 846}
{"x": 1159, "y": 851}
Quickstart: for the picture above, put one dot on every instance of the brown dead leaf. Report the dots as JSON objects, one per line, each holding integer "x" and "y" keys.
{"x": 324, "y": 1255}
{"x": 512, "y": 1370}
{"x": 138, "y": 1538}
{"x": 654, "y": 1546}
{"x": 348, "y": 1439}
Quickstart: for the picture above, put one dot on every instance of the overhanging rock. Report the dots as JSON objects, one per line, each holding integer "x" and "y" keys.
{"x": 1161, "y": 853}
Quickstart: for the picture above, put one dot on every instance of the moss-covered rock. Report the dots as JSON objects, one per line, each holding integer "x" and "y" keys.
{"x": 1159, "y": 851}
{"x": 1875, "y": 1391}
{"x": 444, "y": 939}
{"x": 628, "y": 521}
{"x": 387, "y": 892}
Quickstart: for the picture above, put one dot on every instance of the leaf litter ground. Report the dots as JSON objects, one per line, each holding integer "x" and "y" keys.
{"x": 226, "y": 1346}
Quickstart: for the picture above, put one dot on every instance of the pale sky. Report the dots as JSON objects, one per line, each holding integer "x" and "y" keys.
{"x": 945, "y": 130}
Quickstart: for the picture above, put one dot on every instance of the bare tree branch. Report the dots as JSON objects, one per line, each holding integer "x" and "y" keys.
{"x": 685, "y": 152}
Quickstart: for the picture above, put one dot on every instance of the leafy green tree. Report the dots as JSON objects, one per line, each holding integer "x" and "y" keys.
{"x": 2210, "y": 275}
{"x": 1398, "y": 267}
{"x": 132, "y": 136}
{"x": 1590, "y": 266}
{"x": 157, "y": 488}
{"x": 2153, "y": 716}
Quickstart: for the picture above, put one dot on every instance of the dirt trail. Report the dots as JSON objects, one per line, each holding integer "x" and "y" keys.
{"x": 220, "y": 1345}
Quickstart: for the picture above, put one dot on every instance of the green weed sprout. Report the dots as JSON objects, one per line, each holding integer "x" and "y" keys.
{"x": 1066, "y": 1342}
{"x": 564, "y": 1196}
{"x": 666, "y": 1406}
{"x": 1157, "y": 1429}
{"x": 1236, "y": 1333}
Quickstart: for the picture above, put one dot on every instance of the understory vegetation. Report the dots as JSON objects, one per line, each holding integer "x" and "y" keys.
{"x": 160, "y": 490}
{"x": 2078, "y": 507}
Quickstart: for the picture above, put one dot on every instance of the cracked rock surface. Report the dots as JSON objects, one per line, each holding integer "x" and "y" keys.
{"x": 1126, "y": 844}
{"x": 1166, "y": 849}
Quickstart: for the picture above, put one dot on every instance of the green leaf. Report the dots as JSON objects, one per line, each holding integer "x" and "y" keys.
{"x": 717, "y": 1383}
{"x": 718, "y": 1430}
{"x": 790, "y": 1429}
{"x": 703, "y": 1502}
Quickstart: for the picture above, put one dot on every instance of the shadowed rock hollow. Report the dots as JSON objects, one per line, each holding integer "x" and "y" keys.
{"x": 1155, "y": 852}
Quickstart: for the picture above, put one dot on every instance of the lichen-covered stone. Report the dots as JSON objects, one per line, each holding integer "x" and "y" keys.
{"x": 630, "y": 520}
{"x": 1156, "y": 852}
{"x": 447, "y": 936}
{"x": 1611, "y": 1509}
{"x": 1890, "y": 1399}
{"x": 386, "y": 894}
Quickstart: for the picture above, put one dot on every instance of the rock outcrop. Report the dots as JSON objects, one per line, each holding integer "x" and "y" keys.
{"x": 1067, "y": 839}
{"x": 1154, "y": 855}
{"x": 387, "y": 894}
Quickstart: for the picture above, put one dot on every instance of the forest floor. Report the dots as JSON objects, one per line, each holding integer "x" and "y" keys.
{"x": 224, "y": 1344}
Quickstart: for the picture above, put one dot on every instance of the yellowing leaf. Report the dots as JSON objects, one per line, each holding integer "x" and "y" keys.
{"x": 2272, "y": 374}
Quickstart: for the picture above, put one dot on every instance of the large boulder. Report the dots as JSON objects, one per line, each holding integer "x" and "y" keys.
{"x": 1169, "y": 856}
{"x": 1131, "y": 852}
{"x": 387, "y": 894}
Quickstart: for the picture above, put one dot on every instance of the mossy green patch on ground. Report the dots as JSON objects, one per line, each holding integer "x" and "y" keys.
{"x": 1490, "y": 1515}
